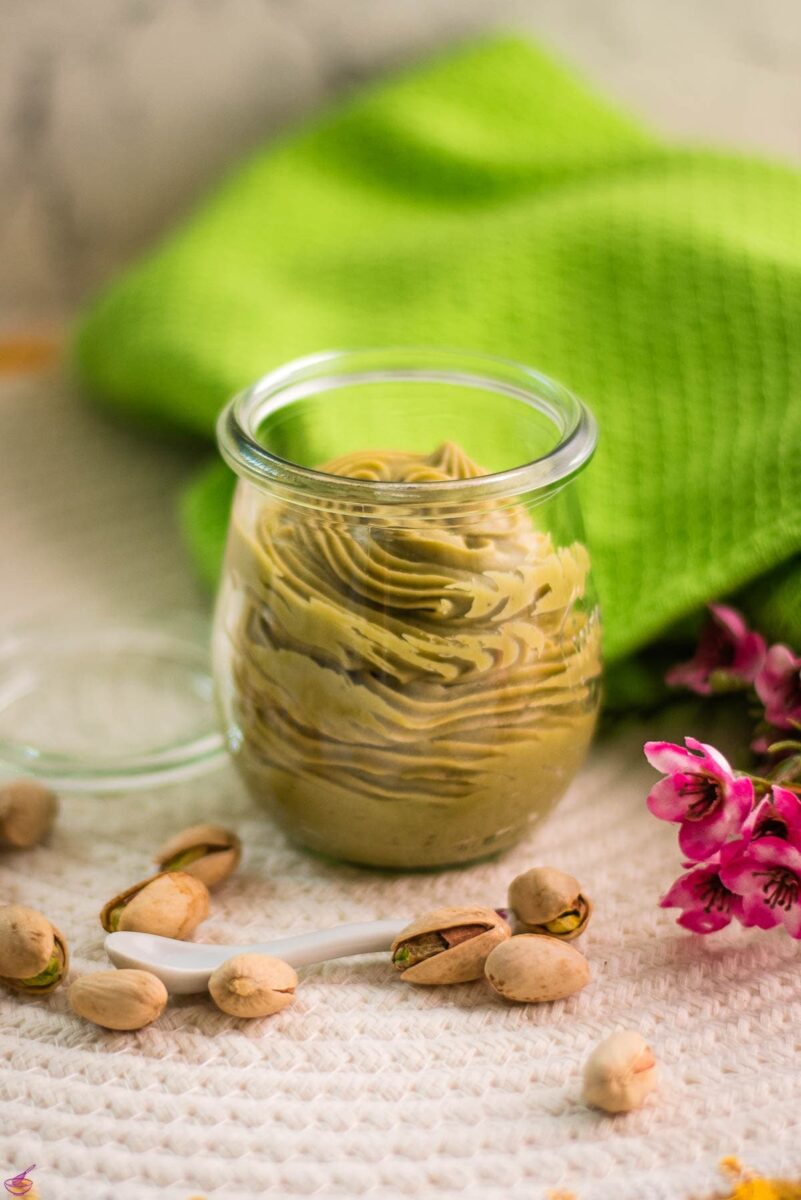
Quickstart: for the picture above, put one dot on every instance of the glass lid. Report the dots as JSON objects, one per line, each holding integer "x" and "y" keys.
{"x": 104, "y": 708}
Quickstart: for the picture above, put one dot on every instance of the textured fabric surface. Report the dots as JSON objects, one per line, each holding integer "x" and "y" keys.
{"x": 365, "y": 1087}
{"x": 370, "y": 1087}
{"x": 488, "y": 200}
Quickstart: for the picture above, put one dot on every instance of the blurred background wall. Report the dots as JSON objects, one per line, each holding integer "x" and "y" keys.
{"x": 116, "y": 114}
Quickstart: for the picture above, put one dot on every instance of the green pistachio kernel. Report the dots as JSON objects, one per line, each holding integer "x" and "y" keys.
{"x": 418, "y": 949}
{"x": 566, "y": 923}
{"x": 185, "y": 858}
{"x": 114, "y": 917}
{"x": 47, "y": 976}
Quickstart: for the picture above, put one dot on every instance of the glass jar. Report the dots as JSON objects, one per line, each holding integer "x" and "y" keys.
{"x": 407, "y": 642}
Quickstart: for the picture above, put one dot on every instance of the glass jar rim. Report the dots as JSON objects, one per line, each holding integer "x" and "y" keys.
{"x": 238, "y": 424}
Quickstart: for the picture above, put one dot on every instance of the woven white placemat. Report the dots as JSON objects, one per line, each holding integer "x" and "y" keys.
{"x": 365, "y": 1087}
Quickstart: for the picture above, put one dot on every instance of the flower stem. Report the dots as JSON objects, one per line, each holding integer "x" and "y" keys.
{"x": 764, "y": 785}
{"x": 777, "y": 747}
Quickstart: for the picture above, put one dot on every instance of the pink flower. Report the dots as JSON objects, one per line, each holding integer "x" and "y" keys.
{"x": 707, "y": 903}
{"x": 778, "y": 686}
{"x": 777, "y": 816}
{"x": 767, "y": 875}
{"x": 701, "y": 793}
{"x": 727, "y": 658}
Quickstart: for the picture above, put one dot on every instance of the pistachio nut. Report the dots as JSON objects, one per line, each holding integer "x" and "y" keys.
{"x": 620, "y": 1073}
{"x": 125, "y": 999}
{"x": 34, "y": 956}
{"x": 448, "y": 945}
{"x": 208, "y": 852}
{"x": 253, "y": 985}
{"x": 530, "y": 969}
{"x": 171, "y": 904}
{"x": 549, "y": 901}
{"x": 27, "y": 812}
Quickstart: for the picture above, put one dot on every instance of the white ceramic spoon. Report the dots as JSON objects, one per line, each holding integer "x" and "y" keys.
{"x": 185, "y": 967}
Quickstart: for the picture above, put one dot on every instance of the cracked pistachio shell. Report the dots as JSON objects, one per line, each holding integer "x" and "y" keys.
{"x": 171, "y": 904}
{"x": 548, "y": 901}
{"x": 620, "y": 1073}
{"x": 531, "y": 969}
{"x": 27, "y": 812}
{"x": 29, "y": 944}
{"x": 26, "y": 941}
{"x": 460, "y": 963}
{"x": 253, "y": 985}
{"x": 51, "y": 976}
{"x": 208, "y": 852}
{"x": 118, "y": 999}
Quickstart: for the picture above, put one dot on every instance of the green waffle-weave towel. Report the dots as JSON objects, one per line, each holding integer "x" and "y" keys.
{"x": 488, "y": 200}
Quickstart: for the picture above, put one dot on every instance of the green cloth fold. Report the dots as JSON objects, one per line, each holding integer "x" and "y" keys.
{"x": 489, "y": 200}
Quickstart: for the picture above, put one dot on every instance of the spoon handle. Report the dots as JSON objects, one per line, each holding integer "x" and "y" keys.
{"x": 303, "y": 949}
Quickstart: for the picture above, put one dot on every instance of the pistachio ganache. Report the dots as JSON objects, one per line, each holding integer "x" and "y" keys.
{"x": 408, "y": 691}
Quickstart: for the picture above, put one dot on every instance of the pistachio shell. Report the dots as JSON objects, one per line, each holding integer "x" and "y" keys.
{"x": 61, "y": 960}
{"x": 219, "y": 853}
{"x": 620, "y": 1073}
{"x": 460, "y": 963}
{"x": 543, "y": 895}
{"x": 253, "y": 985}
{"x": 171, "y": 904}
{"x": 530, "y": 968}
{"x": 27, "y": 942}
{"x": 118, "y": 999}
{"x": 27, "y": 812}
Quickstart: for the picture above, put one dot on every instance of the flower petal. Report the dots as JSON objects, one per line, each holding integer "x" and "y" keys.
{"x": 667, "y": 758}
{"x": 792, "y": 921}
{"x": 778, "y": 686}
{"x": 665, "y": 799}
{"x": 778, "y": 815}
{"x": 710, "y": 759}
{"x": 707, "y": 906}
{"x": 741, "y": 794}
{"x": 756, "y": 913}
{"x": 757, "y": 817}
{"x": 780, "y": 661}
{"x": 701, "y": 839}
{"x": 730, "y": 620}
{"x": 788, "y": 805}
{"x": 727, "y": 656}
{"x": 773, "y": 852}
{"x": 684, "y": 891}
{"x": 749, "y": 657}
{"x": 738, "y": 873}
{"x": 738, "y": 799}
{"x": 691, "y": 676}
{"x": 700, "y": 921}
